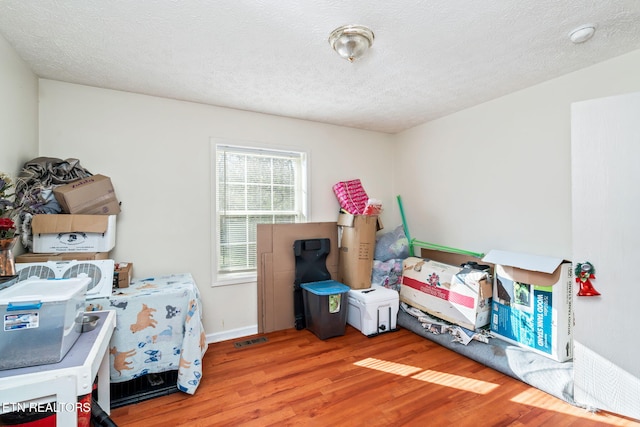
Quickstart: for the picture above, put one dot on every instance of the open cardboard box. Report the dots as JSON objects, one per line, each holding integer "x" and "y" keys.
{"x": 458, "y": 295}
{"x": 73, "y": 233}
{"x": 453, "y": 258}
{"x": 357, "y": 243}
{"x": 532, "y": 302}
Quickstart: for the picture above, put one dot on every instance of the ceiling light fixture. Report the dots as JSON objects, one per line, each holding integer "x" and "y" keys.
{"x": 582, "y": 34}
{"x": 351, "y": 41}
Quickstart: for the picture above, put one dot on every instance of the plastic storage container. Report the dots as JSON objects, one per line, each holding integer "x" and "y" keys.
{"x": 325, "y": 307}
{"x": 311, "y": 266}
{"x": 373, "y": 311}
{"x": 41, "y": 320}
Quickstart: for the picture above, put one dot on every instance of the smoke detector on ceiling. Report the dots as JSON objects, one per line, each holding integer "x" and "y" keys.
{"x": 582, "y": 33}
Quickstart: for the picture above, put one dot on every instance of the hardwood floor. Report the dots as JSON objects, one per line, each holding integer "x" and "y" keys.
{"x": 394, "y": 379}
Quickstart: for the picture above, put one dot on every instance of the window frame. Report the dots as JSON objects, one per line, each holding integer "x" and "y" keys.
{"x": 232, "y": 278}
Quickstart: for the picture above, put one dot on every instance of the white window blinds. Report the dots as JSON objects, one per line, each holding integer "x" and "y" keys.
{"x": 254, "y": 186}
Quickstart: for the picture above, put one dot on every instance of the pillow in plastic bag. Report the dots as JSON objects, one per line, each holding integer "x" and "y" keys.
{"x": 392, "y": 245}
{"x": 387, "y": 274}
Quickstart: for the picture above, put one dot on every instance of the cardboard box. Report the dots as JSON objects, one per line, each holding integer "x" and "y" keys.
{"x": 357, "y": 244}
{"x": 73, "y": 233}
{"x": 276, "y": 269}
{"x": 532, "y": 303}
{"x": 92, "y": 195}
{"x": 68, "y": 256}
{"x": 122, "y": 274}
{"x": 373, "y": 311}
{"x": 454, "y": 258}
{"x": 458, "y": 295}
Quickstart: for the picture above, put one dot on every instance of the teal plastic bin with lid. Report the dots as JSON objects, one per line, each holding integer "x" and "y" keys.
{"x": 325, "y": 307}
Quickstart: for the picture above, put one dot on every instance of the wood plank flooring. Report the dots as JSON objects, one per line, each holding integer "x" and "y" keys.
{"x": 394, "y": 379}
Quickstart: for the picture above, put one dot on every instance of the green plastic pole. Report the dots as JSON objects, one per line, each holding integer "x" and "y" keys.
{"x": 428, "y": 245}
{"x": 404, "y": 225}
{"x": 446, "y": 248}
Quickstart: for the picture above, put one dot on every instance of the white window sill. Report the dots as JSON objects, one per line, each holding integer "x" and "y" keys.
{"x": 234, "y": 279}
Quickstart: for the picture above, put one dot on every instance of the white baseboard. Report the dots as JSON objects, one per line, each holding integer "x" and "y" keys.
{"x": 232, "y": 334}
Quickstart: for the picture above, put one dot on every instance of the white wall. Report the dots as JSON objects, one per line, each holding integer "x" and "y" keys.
{"x": 18, "y": 112}
{"x": 497, "y": 176}
{"x": 605, "y": 151}
{"x": 157, "y": 153}
{"x": 493, "y": 176}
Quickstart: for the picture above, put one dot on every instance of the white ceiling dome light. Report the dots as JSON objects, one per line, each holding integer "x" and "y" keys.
{"x": 351, "y": 41}
{"x": 582, "y": 33}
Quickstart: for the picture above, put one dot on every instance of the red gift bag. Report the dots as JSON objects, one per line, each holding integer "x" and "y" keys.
{"x": 351, "y": 196}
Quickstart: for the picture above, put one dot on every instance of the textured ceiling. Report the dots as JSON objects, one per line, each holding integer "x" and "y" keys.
{"x": 429, "y": 58}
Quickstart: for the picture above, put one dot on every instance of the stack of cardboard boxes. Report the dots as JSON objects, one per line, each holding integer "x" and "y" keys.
{"x": 523, "y": 299}
{"x": 85, "y": 231}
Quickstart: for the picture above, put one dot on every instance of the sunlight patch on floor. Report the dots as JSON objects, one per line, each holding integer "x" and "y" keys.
{"x": 456, "y": 381}
{"x": 434, "y": 377}
{"x": 540, "y": 399}
{"x": 389, "y": 367}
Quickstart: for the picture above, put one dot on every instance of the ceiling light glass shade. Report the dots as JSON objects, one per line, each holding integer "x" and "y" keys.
{"x": 351, "y": 41}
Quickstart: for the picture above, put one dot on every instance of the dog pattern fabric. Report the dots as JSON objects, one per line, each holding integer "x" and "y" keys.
{"x": 158, "y": 328}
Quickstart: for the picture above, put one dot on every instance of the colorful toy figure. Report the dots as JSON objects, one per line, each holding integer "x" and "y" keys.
{"x": 584, "y": 273}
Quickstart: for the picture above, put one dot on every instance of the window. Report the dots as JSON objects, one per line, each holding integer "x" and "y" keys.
{"x": 253, "y": 186}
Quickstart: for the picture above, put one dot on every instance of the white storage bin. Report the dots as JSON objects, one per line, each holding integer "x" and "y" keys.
{"x": 374, "y": 310}
{"x": 41, "y": 320}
